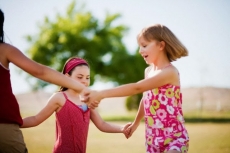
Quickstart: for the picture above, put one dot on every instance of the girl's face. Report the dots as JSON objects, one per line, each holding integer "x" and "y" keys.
{"x": 81, "y": 74}
{"x": 149, "y": 50}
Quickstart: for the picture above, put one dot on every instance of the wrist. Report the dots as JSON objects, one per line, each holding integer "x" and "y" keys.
{"x": 136, "y": 123}
{"x": 102, "y": 94}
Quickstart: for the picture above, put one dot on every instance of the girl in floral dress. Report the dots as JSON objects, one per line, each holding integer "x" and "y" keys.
{"x": 161, "y": 105}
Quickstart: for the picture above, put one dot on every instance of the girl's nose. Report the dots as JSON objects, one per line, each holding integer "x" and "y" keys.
{"x": 85, "y": 82}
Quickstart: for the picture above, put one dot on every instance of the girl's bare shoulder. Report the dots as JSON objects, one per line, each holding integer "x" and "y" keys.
{"x": 57, "y": 98}
{"x": 173, "y": 75}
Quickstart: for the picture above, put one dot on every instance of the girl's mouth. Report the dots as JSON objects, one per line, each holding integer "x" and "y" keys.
{"x": 145, "y": 56}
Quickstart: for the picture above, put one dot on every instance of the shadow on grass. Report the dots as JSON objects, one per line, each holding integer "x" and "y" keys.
{"x": 187, "y": 119}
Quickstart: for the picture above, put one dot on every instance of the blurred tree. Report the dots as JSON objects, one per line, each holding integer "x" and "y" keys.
{"x": 79, "y": 33}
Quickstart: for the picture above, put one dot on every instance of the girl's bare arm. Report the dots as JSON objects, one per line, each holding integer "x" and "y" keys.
{"x": 52, "y": 105}
{"x": 105, "y": 126}
{"x": 162, "y": 77}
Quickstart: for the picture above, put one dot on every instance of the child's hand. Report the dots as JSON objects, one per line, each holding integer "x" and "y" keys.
{"x": 93, "y": 105}
{"x": 125, "y": 130}
{"x": 84, "y": 95}
{"x": 131, "y": 129}
{"x": 92, "y": 98}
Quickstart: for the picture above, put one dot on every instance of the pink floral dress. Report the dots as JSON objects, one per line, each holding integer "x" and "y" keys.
{"x": 164, "y": 120}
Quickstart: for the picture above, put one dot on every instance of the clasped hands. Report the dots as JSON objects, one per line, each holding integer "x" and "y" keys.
{"x": 92, "y": 98}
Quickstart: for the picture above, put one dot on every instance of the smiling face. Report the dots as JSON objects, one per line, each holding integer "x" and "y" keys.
{"x": 81, "y": 74}
{"x": 149, "y": 50}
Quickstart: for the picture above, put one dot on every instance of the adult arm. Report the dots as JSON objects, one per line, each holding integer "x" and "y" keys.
{"x": 40, "y": 71}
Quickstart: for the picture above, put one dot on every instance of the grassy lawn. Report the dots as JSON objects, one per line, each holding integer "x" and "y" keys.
{"x": 204, "y": 138}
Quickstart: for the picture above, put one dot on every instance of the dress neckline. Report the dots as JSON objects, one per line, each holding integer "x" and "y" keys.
{"x": 4, "y": 66}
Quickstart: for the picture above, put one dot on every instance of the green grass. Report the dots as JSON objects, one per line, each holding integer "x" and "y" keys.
{"x": 209, "y": 138}
{"x": 209, "y": 133}
{"x": 207, "y": 114}
{"x": 190, "y": 117}
{"x": 204, "y": 138}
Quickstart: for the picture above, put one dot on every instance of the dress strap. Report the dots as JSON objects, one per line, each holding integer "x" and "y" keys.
{"x": 3, "y": 66}
{"x": 65, "y": 95}
{"x": 147, "y": 71}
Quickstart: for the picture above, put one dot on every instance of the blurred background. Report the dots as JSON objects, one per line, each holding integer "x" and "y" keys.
{"x": 104, "y": 33}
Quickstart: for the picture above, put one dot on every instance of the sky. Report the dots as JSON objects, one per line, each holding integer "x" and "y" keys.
{"x": 202, "y": 26}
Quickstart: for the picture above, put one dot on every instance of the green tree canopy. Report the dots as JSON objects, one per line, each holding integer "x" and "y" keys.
{"x": 79, "y": 33}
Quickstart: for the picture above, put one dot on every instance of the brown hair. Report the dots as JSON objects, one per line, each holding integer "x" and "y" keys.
{"x": 173, "y": 47}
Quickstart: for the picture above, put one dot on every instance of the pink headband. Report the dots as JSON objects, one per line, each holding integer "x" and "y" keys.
{"x": 73, "y": 63}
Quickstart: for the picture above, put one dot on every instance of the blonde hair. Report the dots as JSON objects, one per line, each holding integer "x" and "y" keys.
{"x": 173, "y": 47}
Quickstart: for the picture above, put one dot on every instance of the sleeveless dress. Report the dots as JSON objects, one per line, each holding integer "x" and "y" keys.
{"x": 72, "y": 124}
{"x": 164, "y": 122}
{"x": 9, "y": 108}
{"x": 11, "y": 138}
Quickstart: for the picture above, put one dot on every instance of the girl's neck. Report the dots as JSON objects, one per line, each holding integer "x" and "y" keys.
{"x": 160, "y": 62}
{"x": 72, "y": 92}
{"x": 160, "y": 65}
{"x": 74, "y": 97}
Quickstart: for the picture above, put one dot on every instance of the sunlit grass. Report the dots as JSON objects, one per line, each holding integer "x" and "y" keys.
{"x": 207, "y": 114}
{"x": 209, "y": 138}
{"x": 204, "y": 137}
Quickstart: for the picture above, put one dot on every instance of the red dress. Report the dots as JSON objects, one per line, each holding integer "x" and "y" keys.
{"x": 72, "y": 125}
{"x": 9, "y": 108}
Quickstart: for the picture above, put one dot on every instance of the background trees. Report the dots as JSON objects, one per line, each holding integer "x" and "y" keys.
{"x": 79, "y": 33}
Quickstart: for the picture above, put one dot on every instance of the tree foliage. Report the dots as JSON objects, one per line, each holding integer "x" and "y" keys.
{"x": 80, "y": 33}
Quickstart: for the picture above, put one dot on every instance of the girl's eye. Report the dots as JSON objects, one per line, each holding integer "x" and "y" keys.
{"x": 79, "y": 77}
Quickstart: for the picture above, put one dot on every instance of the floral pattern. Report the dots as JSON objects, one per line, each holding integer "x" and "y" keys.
{"x": 164, "y": 120}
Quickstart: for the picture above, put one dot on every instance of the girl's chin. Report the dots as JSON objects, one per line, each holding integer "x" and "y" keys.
{"x": 147, "y": 62}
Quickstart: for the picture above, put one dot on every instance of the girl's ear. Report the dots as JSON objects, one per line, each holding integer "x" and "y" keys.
{"x": 162, "y": 45}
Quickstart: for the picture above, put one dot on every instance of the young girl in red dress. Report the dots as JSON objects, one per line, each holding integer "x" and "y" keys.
{"x": 72, "y": 115}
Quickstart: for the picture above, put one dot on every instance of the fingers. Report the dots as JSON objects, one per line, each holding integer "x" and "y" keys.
{"x": 127, "y": 125}
{"x": 91, "y": 98}
{"x": 93, "y": 105}
{"x": 127, "y": 130}
{"x": 126, "y": 133}
{"x": 84, "y": 99}
{"x": 85, "y": 95}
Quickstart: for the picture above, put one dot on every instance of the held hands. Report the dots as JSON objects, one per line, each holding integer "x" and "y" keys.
{"x": 129, "y": 129}
{"x": 125, "y": 130}
{"x": 91, "y": 97}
